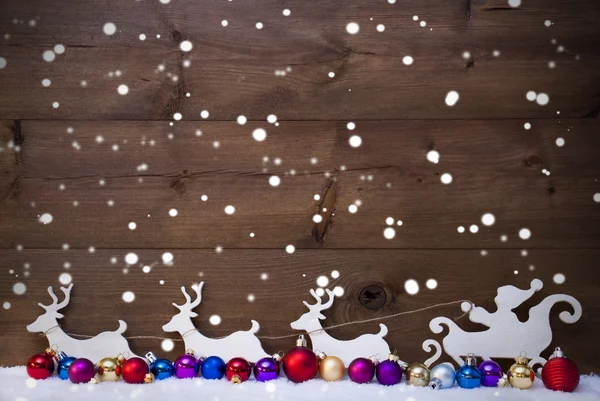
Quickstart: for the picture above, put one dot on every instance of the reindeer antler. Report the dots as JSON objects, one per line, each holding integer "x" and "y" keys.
{"x": 188, "y": 300}
{"x": 319, "y": 306}
{"x": 55, "y": 305}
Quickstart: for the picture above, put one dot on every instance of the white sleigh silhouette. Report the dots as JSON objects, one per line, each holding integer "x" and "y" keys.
{"x": 243, "y": 344}
{"x": 108, "y": 343}
{"x": 363, "y": 346}
{"x": 531, "y": 337}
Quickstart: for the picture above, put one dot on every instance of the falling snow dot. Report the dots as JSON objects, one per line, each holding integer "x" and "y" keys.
{"x": 131, "y": 258}
{"x": 560, "y": 142}
{"x": 596, "y": 197}
{"x": 433, "y": 156}
{"x": 527, "y": 125}
{"x": 46, "y": 218}
{"x": 146, "y": 269}
{"x": 229, "y": 209}
{"x": 259, "y": 134}
{"x": 389, "y": 221}
{"x": 431, "y": 284}
{"x": 352, "y": 209}
{"x": 411, "y": 287}
{"x": 389, "y": 233}
{"x": 488, "y": 219}
{"x": 48, "y": 56}
{"x": 524, "y": 233}
{"x": 109, "y": 28}
{"x": 215, "y": 320}
{"x": 423, "y": 24}
{"x": 128, "y": 296}
{"x": 177, "y": 116}
{"x": 407, "y": 60}
{"x": 274, "y": 181}
{"x": 290, "y": 249}
{"x": 317, "y": 218}
{"x": 2, "y": 63}
{"x": 452, "y": 98}
{"x": 460, "y": 229}
{"x": 65, "y": 279}
{"x": 542, "y": 99}
{"x": 167, "y": 258}
{"x": 204, "y": 114}
{"x": 531, "y": 96}
{"x": 167, "y": 345}
{"x": 173, "y": 212}
{"x": 19, "y": 288}
{"x": 142, "y": 37}
{"x": 186, "y": 46}
{"x": 559, "y": 278}
{"x": 446, "y": 178}
{"x": 514, "y": 3}
{"x": 338, "y": 291}
{"x": 6, "y": 305}
{"x": 272, "y": 118}
{"x": 355, "y": 141}
{"x": 259, "y": 25}
{"x": 56, "y": 105}
{"x": 473, "y": 228}
{"x": 335, "y": 274}
{"x": 547, "y": 23}
{"x": 46, "y": 82}
{"x": 286, "y": 12}
{"x": 322, "y": 281}
{"x": 331, "y": 74}
{"x": 380, "y": 28}
{"x": 59, "y": 49}
{"x": 204, "y": 198}
{"x": 123, "y": 89}
{"x": 352, "y": 28}
{"x": 351, "y": 126}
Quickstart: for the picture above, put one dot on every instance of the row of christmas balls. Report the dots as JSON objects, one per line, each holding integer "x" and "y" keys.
{"x": 301, "y": 364}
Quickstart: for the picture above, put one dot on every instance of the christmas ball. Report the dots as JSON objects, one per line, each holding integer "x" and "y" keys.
{"x": 491, "y": 373}
{"x": 213, "y": 368}
{"x": 362, "y": 370}
{"x": 331, "y": 368}
{"x": 82, "y": 370}
{"x": 520, "y": 375}
{"x": 560, "y": 373}
{"x": 108, "y": 369}
{"x": 63, "y": 367}
{"x": 389, "y": 372}
{"x": 135, "y": 370}
{"x": 300, "y": 363}
{"x": 186, "y": 366}
{"x": 266, "y": 369}
{"x": 469, "y": 376}
{"x": 442, "y": 376}
{"x": 41, "y": 366}
{"x": 418, "y": 374}
{"x": 160, "y": 368}
{"x": 237, "y": 370}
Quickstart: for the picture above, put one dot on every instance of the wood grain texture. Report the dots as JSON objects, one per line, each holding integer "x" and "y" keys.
{"x": 233, "y": 68}
{"x": 233, "y": 274}
{"x": 496, "y": 167}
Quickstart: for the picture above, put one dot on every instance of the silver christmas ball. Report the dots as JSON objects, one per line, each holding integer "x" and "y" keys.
{"x": 442, "y": 376}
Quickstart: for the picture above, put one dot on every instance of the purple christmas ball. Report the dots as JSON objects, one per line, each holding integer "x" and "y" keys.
{"x": 186, "y": 366}
{"x": 82, "y": 370}
{"x": 388, "y": 373}
{"x": 361, "y": 370}
{"x": 491, "y": 373}
{"x": 266, "y": 369}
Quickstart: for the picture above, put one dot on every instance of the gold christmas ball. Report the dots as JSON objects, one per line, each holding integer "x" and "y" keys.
{"x": 331, "y": 368}
{"x": 108, "y": 370}
{"x": 148, "y": 378}
{"x": 521, "y": 375}
{"x": 417, "y": 374}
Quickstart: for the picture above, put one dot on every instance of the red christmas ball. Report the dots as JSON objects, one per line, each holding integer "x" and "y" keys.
{"x": 237, "y": 370}
{"x": 560, "y": 373}
{"x": 40, "y": 366}
{"x": 300, "y": 364}
{"x": 134, "y": 370}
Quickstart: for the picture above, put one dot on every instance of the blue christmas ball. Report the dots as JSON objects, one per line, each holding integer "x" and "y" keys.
{"x": 63, "y": 367}
{"x": 213, "y": 368}
{"x": 442, "y": 376}
{"x": 468, "y": 376}
{"x": 162, "y": 369}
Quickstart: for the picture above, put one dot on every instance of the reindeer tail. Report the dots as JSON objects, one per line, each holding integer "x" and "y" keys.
{"x": 436, "y": 324}
{"x": 383, "y": 330}
{"x": 255, "y": 327}
{"x": 122, "y": 327}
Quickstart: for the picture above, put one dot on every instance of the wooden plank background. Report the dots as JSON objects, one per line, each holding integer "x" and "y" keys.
{"x": 63, "y": 161}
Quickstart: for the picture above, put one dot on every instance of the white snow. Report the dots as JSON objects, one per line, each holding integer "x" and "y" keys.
{"x": 14, "y": 387}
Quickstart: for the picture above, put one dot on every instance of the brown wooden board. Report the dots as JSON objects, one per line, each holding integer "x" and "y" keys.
{"x": 233, "y": 68}
{"x": 234, "y": 274}
{"x": 496, "y": 167}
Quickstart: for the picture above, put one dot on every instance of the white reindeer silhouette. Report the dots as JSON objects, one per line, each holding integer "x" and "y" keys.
{"x": 104, "y": 344}
{"x": 239, "y": 344}
{"x": 363, "y": 346}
